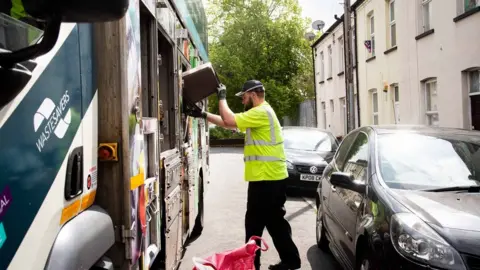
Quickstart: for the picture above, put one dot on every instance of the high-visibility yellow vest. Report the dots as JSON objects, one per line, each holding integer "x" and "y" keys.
{"x": 264, "y": 153}
{"x": 18, "y": 12}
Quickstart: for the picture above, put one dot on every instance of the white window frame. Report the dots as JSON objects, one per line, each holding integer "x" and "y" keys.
{"x": 392, "y": 23}
{"x": 330, "y": 62}
{"x": 341, "y": 55}
{"x": 426, "y": 21}
{"x": 471, "y": 94}
{"x": 396, "y": 102}
{"x": 429, "y": 113}
{"x": 375, "y": 113}
{"x": 324, "y": 109}
{"x": 371, "y": 24}
{"x": 322, "y": 66}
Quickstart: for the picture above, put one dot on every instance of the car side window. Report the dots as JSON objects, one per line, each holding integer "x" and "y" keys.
{"x": 343, "y": 149}
{"x": 357, "y": 158}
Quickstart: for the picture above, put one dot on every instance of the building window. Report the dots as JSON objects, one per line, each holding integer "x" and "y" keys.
{"x": 324, "y": 111}
{"x": 466, "y": 5}
{"x": 371, "y": 33}
{"x": 474, "y": 94}
{"x": 431, "y": 110}
{"x": 330, "y": 61}
{"x": 426, "y": 15}
{"x": 375, "y": 107}
{"x": 396, "y": 103}
{"x": 392, "y": 23}
{"x": 322, "y": 67}
{"x": 341, "y": 54}
{"x": 332, "y": 108}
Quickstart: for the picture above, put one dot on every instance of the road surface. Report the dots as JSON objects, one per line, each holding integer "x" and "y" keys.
{"x": 225, "y": 205}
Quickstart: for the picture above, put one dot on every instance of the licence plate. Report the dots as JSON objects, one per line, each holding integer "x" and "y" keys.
{"x": 310, "y": 177}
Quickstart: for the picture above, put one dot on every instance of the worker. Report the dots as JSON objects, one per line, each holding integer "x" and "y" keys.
{"x": 265, "y": 169}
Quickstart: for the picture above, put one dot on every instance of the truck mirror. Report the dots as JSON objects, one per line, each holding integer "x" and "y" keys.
{"x": 78, "y": 11}
{"x": 53, "y": 13}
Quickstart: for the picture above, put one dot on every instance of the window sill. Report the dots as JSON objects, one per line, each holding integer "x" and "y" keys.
{"x": 394, "y": 48}
{"x": 424, "y": 34}
{"x": 467, "y": 14}
{"x": 370, "y": 59}
{"x": 341, "y": 73}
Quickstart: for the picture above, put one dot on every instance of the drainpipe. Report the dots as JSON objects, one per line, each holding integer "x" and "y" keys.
{"x": 356, "y": 64}
{"x": 314, "y": 88}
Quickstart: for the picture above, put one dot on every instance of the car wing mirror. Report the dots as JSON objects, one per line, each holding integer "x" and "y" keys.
{"x": 347, "y": 181}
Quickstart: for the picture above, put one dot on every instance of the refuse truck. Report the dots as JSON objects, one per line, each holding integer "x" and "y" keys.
{"x": 100, "y": 168}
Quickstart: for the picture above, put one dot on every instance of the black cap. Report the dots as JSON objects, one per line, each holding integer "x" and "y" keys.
{"x": 249, "y": 86}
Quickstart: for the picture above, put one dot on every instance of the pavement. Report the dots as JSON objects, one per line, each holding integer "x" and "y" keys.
{"x": 225, "y": 205}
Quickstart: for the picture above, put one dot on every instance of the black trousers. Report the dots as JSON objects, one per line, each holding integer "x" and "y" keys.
{"x": 265, "y": 208}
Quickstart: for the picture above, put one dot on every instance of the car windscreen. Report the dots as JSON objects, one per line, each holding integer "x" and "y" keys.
{"x": 417, "y": 161}
{"x": 309, "y": 140}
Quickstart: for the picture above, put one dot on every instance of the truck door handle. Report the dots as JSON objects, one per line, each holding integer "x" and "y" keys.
{"x": 74, "y": 177}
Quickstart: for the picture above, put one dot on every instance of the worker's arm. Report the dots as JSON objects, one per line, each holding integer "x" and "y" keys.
{"x": 226, "y": 114}
{"x": 217, "y": 120}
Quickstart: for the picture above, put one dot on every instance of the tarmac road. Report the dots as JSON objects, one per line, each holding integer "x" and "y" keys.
{"x": 225, "y": 205}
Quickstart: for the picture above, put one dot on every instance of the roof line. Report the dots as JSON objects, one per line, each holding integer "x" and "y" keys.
{"x": 335, "y": 24}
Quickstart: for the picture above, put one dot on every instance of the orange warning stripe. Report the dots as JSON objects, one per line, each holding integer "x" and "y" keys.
{"x": 88, "y": 200}
{"x": 77, "y": 207}
{"x": 70, "y": 211}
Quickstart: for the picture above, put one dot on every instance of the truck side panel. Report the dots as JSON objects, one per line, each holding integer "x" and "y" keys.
{"x": 38, "y": 135}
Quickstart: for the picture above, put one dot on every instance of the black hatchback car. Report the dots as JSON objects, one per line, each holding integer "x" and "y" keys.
{"x": 402, "y": 198}
{"x": 308, "y": 151}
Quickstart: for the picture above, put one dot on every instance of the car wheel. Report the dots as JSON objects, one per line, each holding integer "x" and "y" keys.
{"x": 322, "y": 241}
{"x": 365, "y": 262}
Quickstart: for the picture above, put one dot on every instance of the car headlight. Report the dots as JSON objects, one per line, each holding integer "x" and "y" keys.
{"x": 414, "y": 239}
{"x": 289, "y": 165}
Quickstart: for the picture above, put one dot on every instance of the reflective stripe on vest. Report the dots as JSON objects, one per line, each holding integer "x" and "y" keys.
{"x": 273, "y": 141}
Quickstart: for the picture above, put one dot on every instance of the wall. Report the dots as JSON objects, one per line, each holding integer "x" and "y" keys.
{"x": 331, "y": 88}
{"x": 444, "y": 54}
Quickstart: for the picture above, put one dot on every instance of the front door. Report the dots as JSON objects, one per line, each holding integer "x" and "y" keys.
{"x": 475, "y": 111}
{"x": 346, "y": 203}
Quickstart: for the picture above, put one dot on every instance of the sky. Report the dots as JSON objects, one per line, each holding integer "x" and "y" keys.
{"x": 322, "y": 10}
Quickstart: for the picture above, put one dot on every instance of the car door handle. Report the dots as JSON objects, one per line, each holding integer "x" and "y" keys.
{"x": 333, "y": 188}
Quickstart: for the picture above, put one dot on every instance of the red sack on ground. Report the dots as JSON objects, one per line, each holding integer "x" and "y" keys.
{"x": 241, "y": 258}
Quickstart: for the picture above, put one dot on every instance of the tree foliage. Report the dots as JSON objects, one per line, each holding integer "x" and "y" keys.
{"x": 262, "y": 40}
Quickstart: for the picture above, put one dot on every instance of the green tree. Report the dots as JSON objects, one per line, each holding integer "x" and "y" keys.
{"x": 263, "y": 40}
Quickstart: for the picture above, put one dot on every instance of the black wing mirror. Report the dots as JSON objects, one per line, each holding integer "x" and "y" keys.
{"x": 346, "y": 181}
{"x": 53, "y": 13}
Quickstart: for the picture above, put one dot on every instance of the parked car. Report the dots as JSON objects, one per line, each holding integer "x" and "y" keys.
{"x": 402, "y": 198}
{"x": 308, "y": 151}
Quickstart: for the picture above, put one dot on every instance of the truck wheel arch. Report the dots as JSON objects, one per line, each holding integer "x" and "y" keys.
{"x": 82, "y": 241}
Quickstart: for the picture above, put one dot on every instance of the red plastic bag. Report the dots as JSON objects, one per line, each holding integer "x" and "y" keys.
{"x": 241, "y": 258}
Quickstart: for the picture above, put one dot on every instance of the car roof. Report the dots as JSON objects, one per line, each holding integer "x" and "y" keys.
{"x": 440, "y": 132}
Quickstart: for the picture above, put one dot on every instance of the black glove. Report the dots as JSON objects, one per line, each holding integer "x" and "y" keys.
{"x": 221, "y": 92}
{"x": 194, "y": 111}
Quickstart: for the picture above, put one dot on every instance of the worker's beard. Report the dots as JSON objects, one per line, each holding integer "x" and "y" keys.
{"x": 249, "y": 104}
